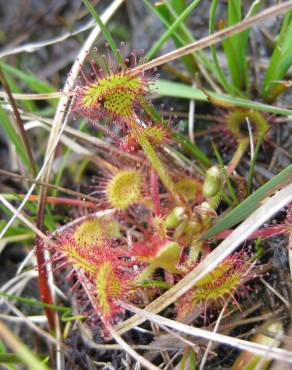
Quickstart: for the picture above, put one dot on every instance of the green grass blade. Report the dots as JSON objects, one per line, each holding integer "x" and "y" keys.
{"x": 282, "y": 50}
{"x": 245, "y": 208}
{"x": 28, "y": 105}
{"x": 235, "y": 66}
{"x": 3, "y": 353}
{"x": 254, "y": 8}
{"x": 283, "y": 65}
{"x": 200, "y": 55}
{"x": 20, "y": 349}
{"x": 192, "y": 358}
{"x": 223, "y": 80}
{"x": 19, "y": 123}
{"x": 178, "y": 37}
{"x": 35, "y": 302}
{"x": 234, "y": 49}
{"x": 14, "y": 137}
{"x": 156, "y": 47}
{"x": 181, "y": 37}
{"x": 235, "y": 46}
{"x": 103, "y": 29}
{"x": 191, "y": 148}
{"x": 234, "y": 11}
{"x": 176, "y": 89}
{"x": 178, "y": 5}
{"x": 179, "y": 90}
{"x": 11, "y": 358}
{"x": 35, "y": 84}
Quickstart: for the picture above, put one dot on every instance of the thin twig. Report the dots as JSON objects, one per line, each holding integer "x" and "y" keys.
{"x": 191, "y": 118}
{"x": 277, "y": 294}
{"x": 33, "y": 46}
{"x": 41, "y": 96}
{"x": 31, "y": 189}
{"x": 130, "y": 350}
{"x": 208, "y": 348}
{"x": 51, "y": 186}
{"x": 256, "y": 348}
{"x": 25, "y": 220}
{"x": 251, "y": 141}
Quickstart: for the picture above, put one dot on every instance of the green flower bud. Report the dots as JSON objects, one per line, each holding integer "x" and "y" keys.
{"x": 176, "y": 216}
{"x": 212, "y": 183}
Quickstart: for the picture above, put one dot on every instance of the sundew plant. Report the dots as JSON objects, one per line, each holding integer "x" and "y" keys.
{"x": 146, "y": 193}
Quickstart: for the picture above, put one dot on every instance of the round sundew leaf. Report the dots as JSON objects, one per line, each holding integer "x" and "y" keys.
{"x": 124, "y": 189}
{"x": 188, "y": 188}
{"x": 237, "y": 123}
{"x": 94, "y": 230}
{"x": 115, "y": 95}
{"x": 88, "y": 232}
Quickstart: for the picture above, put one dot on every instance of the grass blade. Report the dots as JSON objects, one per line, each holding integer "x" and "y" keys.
{"x": 11, "y": 358}
{"x": 29, "y": 79}
{"x": 156, "y": 47}
{"x": 217, "y": 37}
{"x": 28, "y": 105}
{"x": 178, "y": 5}
{"x": 179, "y": 90}
{"x": 34, "y": 83}
{"x": 280, "y": 61}
{"x": 224, "y": 82}
{"x": 104, "y": 30}
{"x": 178, "y": 35}
{"x": 14, "y": 138}
{"x": 251, "y": 203}
{"x": 252, "y": 11}
{"x": 192, "y": 148}
{"x": 19, "y": 124}
{"x": 22, "y": 351}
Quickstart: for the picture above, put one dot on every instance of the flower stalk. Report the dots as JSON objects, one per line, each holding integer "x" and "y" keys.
{"x": 154, "y": 160}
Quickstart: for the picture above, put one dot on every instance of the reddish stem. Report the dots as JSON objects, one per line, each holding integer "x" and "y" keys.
{"x": 155, "y": 192}
{"x": 44, "y": 289}
{"x": 62, "y": 200}
{"x": 261, "y": 233}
